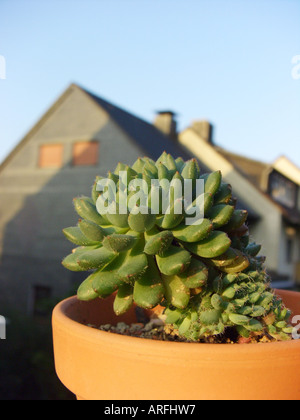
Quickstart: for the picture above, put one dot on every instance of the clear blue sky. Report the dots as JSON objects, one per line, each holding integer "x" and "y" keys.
{"x": 229, "y": 61}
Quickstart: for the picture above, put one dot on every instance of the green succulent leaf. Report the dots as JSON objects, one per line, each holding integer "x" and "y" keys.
{"x": 91, "y": 230}
{"x": 163, "y": 172}
{"x": 172, "y": 315}
{"x": 134, "y": 264}
{"x": 196, "y": 275}
{"x": 215, "y": 245}
{"x": 141, "y": 222}
{"x": 119, "y": 220}
{"x": 191, "y": 170}
{"x": 210, "y": 317}
{"x": 138, "y": 165}
{"x": 71, "y": 261}
{"x": 217, "y": 302}
{"x": 74, "y": 235}
{"x": 86, "y": 209}
{"x": 185, "y": 325}
{"x": 226, "y": 259}
{"x": 119, "y": 243}
{"x": 224, "y": 195}
{"x": 173, "y": 261}
{"x": 124, "y": 299}
{"x": 208, "y": 202}
{"x": 253, "y": 249}
{"x": 149, "y": 288}
{"x": 238, "y": 319}
{"x": 106, "y": 281}
{"x": 238, "y": 266}
{"x": 162, "y": 158}
{"x": 212, "y": 182}
{"x": 254, "y": 325}
{"x": 177, "y": 293}
{"x": 95, "y": 258}
{"x": 193, "y": 233}
{"x": 121, "y": 167}
{"x": 170, "y": 220}
{"x": 159, "y": 242}
{"x": 170, "y": 163}
{"x": 96, "y": 194}
{"x": 86, "y": 291}
{"x": 220, "y": 215}
{"x": 238, "y": 218}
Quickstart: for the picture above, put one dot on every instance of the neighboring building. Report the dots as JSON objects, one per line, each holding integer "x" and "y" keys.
{"x": 271, "y": 192}
{"x": 82, "y": 136}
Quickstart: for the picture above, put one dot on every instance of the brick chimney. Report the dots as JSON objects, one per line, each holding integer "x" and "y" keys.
{"x": 165, "y": 121}
{"x": 204, "y": 129}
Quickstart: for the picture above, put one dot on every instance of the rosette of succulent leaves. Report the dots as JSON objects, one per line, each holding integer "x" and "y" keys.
{"x": 208, "y": 277}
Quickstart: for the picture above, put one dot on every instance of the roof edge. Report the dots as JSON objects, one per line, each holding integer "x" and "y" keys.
{"x": 37, "y": 125}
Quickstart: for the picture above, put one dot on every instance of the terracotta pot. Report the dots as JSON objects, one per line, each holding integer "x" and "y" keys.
{"x": 97, "y": 365}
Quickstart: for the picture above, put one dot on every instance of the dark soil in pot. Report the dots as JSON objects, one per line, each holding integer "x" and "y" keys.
{"x": 154, "y": 329}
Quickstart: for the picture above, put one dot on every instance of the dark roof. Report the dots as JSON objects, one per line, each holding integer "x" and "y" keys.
{"x": 255, "y": 171}
{"x": 252, "y": 169}
{"x": 148, "y": 137}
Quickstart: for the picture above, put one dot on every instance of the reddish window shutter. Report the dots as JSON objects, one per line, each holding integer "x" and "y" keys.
{"x": 51, "y": 156}
{"x": 86, "y": 153}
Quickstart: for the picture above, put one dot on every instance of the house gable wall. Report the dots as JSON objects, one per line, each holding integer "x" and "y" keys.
{"x": 36, "y": 204}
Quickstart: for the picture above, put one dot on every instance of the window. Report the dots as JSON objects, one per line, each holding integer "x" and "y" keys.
{"x": 41, "y": 300}
{"x": 86, "y": 153}
{"x": 51, "y": 156}
{"x": 283, "y": 190}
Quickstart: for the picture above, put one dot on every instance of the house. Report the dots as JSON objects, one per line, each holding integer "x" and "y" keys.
{"x": 82, "y": 136}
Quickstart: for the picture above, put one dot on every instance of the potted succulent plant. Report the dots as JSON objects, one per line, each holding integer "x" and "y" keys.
{"x": 199, "y": 285}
